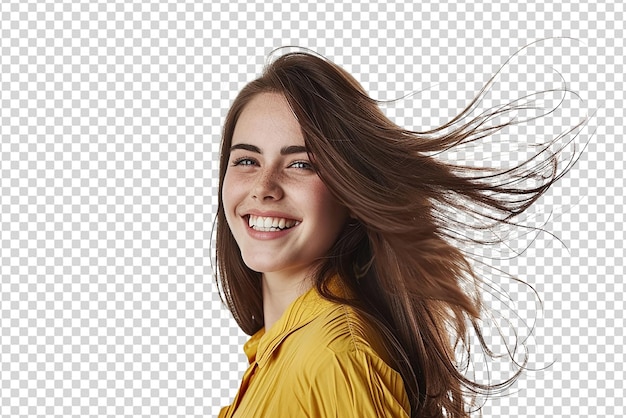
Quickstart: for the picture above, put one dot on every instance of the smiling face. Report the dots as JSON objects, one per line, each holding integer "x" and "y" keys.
{"x": 279, "y": 211}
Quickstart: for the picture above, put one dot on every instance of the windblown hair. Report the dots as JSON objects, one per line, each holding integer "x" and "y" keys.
{"x": 398, "y": 256}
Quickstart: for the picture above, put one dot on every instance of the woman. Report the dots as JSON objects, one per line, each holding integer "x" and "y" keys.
{"x": 336, "y": 246}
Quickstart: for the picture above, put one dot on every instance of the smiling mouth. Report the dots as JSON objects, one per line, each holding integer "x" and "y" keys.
{"x": 270, "y": 224}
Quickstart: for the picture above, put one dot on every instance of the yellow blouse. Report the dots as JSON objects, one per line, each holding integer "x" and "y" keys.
{"x": 319, "y": 360}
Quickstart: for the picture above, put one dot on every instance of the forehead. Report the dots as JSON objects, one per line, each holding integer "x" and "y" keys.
{"x": 267, "y": 118}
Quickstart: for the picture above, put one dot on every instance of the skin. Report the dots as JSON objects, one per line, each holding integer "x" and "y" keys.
{"x": 270, "y": 174}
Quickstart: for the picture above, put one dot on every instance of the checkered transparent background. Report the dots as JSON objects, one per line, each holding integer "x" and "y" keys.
{"x": 110, "y": 117}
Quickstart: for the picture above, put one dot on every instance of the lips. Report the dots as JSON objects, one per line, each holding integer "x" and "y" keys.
{"x": 270, "y": 223}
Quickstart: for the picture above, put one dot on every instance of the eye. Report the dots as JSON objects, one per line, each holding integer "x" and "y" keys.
{"x": 303, "y": 165}
{"x": 244, "y": 161}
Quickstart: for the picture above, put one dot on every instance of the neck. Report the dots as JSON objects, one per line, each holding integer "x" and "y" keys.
{"x": 279, "y": 292}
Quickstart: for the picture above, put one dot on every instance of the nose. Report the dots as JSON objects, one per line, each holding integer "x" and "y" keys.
{"x": 267, "y": 186}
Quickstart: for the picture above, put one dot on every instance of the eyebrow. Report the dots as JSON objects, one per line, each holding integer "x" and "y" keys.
{"x": 292, "y": 149}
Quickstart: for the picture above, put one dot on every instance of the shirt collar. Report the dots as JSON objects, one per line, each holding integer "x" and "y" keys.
{"x": 303, "y": 310}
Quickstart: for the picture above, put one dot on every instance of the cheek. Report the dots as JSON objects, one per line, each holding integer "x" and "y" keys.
{"x": 226, "y": 192}
{"x": 230, "y": 196}
{"x": 328, "y": 209}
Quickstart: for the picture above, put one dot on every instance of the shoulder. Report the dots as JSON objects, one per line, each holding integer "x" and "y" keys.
{"x": 339, "y": 335}
{"x": 340, "y": 329}
{"x": 346, "y": 368}
{"x": 357, "y": 384}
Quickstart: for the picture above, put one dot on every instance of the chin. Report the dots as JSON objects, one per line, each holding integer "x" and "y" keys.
{"x": 261, "y": 264}
{"x": 272, "y": 265}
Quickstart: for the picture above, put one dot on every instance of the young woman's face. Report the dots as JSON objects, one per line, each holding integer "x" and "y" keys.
{"x": 281, "y": 214}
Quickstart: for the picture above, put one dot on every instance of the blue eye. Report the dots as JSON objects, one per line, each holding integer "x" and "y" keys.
{"x": 304, "y": 165}
{"x": 244, "y": 161}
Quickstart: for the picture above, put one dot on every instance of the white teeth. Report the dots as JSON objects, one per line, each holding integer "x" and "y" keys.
{"x": 270, "y": 224}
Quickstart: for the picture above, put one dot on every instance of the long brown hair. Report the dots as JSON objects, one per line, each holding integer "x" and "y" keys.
{"x": 398, "y": 255}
